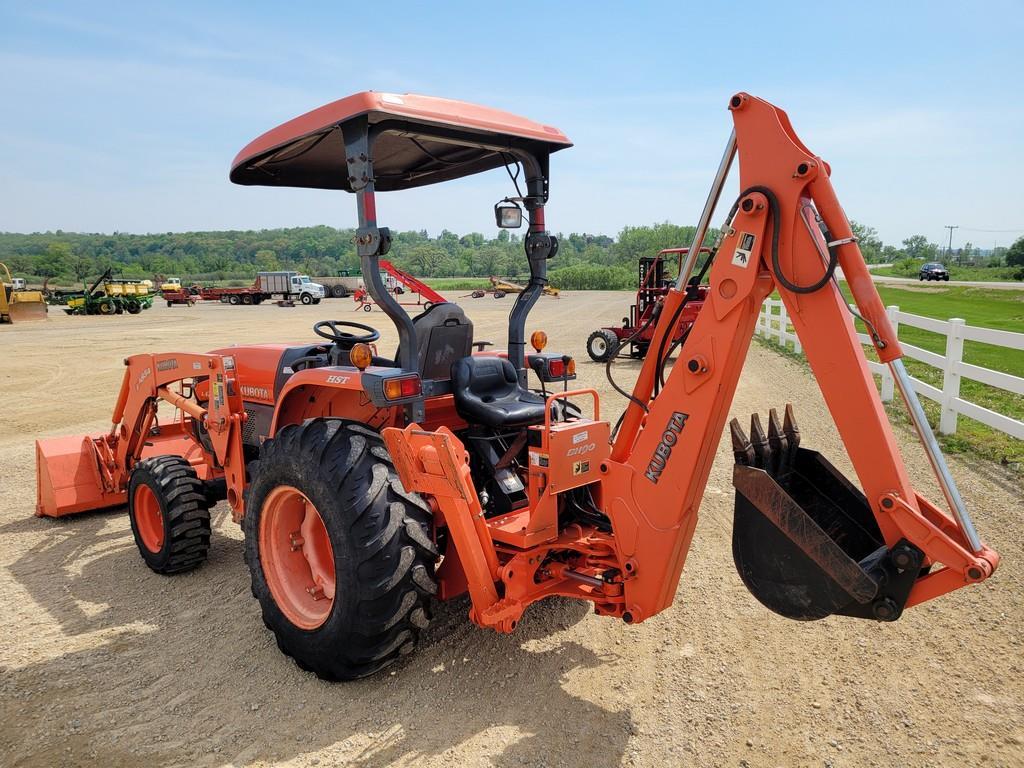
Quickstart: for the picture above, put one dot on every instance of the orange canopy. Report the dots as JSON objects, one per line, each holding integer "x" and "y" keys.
{"x": 418, "y": 140}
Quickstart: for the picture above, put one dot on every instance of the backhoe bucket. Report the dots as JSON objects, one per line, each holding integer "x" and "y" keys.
{"x": 68, "y": 478}
{"x": 805, "y": 542}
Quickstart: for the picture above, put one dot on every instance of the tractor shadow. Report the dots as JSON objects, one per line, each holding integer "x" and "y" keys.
{"x": 179, "y": 670}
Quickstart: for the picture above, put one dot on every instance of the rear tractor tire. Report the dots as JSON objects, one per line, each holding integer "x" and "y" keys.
{"x": 169, "y": 513}
{"x": 602, "y": 344}
{"x": 341, "y": 556}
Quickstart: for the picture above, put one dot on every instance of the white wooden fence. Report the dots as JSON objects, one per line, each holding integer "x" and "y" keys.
{"x": 774, "y": 323}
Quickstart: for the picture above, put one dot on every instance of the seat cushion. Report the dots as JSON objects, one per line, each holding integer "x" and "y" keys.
{"x": 486, "y": 391}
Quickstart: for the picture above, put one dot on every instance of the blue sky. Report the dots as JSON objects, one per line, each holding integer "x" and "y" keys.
{"x": 123, "y": 117}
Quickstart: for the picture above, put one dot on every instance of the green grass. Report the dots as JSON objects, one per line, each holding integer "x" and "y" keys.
{"x": 986, "y": 308}
{"x": 975, "y": 274}
{"x": 457, "y": 283}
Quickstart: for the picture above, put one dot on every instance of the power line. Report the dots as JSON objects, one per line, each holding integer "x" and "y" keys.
{"x": 1003, "y": 231}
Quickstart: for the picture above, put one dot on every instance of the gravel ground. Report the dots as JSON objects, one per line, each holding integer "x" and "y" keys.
{"x": 103, "y": 662}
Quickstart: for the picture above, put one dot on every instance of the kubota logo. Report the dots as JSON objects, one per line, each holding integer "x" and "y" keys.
{"x": 259, "y": 393}
{"x": 668, "y": 439}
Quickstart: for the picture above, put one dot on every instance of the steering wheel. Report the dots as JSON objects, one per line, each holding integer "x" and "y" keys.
{"x": 328, "y": 329}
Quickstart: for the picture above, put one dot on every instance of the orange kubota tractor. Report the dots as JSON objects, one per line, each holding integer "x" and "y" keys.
{"x": 366, "y": 485}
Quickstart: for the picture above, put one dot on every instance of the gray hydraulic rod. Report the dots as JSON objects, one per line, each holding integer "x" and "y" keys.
{"x": 931, "y": 447}
{"x": 708, "y": 212}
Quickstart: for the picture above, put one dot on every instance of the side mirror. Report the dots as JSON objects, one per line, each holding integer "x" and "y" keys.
{"x": 508, "y": 215}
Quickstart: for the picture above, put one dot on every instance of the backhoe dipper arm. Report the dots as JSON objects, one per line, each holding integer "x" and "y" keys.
{"x": 661, "y": 459}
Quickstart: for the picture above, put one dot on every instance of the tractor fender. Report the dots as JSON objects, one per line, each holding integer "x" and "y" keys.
{"x": 335, "y": 392}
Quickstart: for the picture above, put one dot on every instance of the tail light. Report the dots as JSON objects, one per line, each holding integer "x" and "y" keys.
{"x": 406, "y": 386}
{"x": 557, "y": 369}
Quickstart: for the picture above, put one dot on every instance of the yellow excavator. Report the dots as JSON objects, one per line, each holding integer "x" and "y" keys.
{"x": 17, "y": 301}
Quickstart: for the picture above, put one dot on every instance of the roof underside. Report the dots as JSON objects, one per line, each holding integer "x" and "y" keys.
{"x": 419, "y": 140}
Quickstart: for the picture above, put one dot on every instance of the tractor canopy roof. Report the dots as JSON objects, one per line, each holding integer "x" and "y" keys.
{"x": 416, "y": 140}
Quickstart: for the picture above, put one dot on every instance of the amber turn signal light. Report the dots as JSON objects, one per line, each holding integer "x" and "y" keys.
{"x": 360, "y": 356}
{"x": 538, "y": 340}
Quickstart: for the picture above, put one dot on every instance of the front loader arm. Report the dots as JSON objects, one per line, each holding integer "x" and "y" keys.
{"x": 659, "y": 470}
{"x": 147, "y": 380}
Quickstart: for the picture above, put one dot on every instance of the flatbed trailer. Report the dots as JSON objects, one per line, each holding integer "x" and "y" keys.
{"x": 248, "y": 295}
{"x": 285, "y": 285}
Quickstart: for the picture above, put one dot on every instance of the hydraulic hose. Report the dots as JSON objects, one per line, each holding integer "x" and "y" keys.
{"x": 785, "y": 282}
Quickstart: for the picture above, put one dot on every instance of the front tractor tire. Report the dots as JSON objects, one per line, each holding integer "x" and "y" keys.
{"x": 602, "y": 345}
{"x": 169, "y": 513}
{"x": 341, "y": 556}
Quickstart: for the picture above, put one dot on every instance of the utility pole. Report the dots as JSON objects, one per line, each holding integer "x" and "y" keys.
{"x": 949, "y": 251}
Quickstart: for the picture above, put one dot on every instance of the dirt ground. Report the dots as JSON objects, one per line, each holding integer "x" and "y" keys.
{"x": 104, "y": 663}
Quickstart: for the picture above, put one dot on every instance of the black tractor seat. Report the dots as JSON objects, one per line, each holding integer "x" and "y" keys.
{"x": 486, "y": 391}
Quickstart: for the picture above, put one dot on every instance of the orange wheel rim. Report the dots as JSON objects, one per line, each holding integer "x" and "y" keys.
{"x": 297, "y": 557}
{"x": 148, "y": 518}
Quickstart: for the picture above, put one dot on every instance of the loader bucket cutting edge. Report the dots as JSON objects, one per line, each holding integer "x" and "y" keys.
{"x": 27, "y": 311}
{"x": 68, "y": 478}
{"x": 805, "y": 542}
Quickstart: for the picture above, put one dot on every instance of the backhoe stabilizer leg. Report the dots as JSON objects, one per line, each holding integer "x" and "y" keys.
{"x": 805, "y": 540}
{"x": 434, "y": 464}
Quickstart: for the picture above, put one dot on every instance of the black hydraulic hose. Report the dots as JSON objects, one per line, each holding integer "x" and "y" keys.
{"x": 655, "y": 313}
{"x": 663, "y": 356}
{"x": 773, "y": 206}
{"x": 833, "y": 256}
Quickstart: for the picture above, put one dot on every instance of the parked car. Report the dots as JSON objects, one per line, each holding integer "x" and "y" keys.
{"x": 933, "y": 271}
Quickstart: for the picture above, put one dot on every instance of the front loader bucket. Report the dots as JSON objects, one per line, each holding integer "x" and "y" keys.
{"x": 68, "y": 478}
{"x": 805, "y": 542}
{"x": 22, "y": 311}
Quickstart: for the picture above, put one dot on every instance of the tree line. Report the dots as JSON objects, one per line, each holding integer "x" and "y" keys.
{"x": 583, "y": 260}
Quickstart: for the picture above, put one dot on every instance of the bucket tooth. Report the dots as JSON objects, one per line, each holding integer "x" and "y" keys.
{"x": 779, "y": 444}
{"x": 759, "y": 441}
{"x": 805, "y": 541}
{"x": 790, "y": 428}
{"x": 741, "y": 447}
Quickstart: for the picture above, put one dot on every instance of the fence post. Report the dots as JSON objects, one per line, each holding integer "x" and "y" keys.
{"x": 950, "y": 375}
{"x": 783, "y": 323}
{"x": 797, "y": 346}
{"x": 888, "y": 383}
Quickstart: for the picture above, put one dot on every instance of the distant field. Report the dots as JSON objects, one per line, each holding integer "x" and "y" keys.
{"x": 979, "y": 274}
{"x": 1002, "y": 310}
{"x": 457, "y": 283}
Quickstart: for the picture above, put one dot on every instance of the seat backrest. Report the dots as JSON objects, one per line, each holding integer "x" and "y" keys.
{"x": 443, "y": 335}
{"x": 484, "y": 378}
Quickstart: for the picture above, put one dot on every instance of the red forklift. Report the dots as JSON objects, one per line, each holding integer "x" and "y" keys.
{"x": 637, "y": 330}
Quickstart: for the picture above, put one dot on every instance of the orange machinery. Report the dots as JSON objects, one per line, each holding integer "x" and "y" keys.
{"x": 366, "y": 486}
